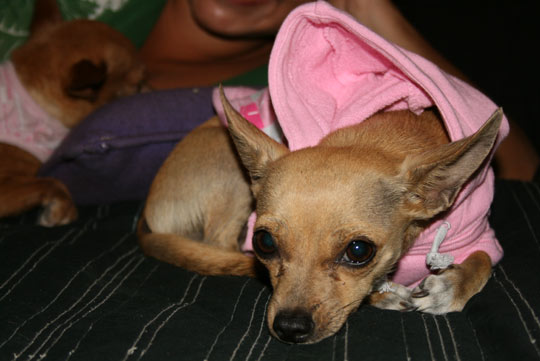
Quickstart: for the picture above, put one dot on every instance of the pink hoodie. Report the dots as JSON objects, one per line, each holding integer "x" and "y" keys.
{"x": 23, "y": 122}
{"x": 328, "y": 71}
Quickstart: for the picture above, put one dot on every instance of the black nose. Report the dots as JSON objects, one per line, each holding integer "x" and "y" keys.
{"x": 293, "y": 325}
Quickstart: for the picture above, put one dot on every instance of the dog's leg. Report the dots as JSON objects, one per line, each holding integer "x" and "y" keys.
{"x": 450, "y": 289}
{"x": 21, "y": 190}
{"x": 447, "y": 291}
{"x": 198, "y": 205}
{"x": 435, "y": 179}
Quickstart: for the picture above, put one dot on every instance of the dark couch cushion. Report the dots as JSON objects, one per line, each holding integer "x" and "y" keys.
{"x": 86, "y": 292}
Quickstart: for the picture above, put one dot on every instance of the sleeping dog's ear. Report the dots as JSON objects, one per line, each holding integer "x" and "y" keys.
{"x": 86, "y": 80}
{"x": 45, "y": 12}
{"x": 434, "y": 179}
{"x": 255, "y": 148}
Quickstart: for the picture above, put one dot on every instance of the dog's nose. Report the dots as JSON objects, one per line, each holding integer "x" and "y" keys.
{"x": 293, "y": 325}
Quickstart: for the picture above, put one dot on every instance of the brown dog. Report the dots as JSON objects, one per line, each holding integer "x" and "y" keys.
{"x": 383, "y": 180}
{"x": 65, "y": 70}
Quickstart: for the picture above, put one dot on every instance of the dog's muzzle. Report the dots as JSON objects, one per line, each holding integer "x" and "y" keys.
{"x": 293, "y": 325}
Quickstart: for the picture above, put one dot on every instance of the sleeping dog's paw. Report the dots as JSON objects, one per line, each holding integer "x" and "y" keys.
{"x": 58, "y": 207}
{"x": 58, "y": 212}
{"x": 452, "y": 288}
{"x": 437, "y": 293}
{"x": 394, "y": 297}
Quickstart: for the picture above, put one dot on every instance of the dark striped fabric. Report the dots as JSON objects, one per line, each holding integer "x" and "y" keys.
{"x": 86, "y": 292}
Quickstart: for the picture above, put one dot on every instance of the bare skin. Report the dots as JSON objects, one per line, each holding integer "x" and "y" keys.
{"x": 214, "y": 54}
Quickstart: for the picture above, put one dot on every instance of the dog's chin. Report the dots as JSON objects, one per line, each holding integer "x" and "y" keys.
{"x": 315, "y": 314}
{"x": 312, "y": 338}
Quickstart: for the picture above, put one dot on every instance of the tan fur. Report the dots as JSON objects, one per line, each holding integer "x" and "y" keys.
{"x": 199, "y": 196}
{"x": 381, "y": 181}
{"x": 70, "y": 68}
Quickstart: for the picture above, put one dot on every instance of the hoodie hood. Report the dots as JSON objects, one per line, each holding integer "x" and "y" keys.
{"x": 328, "y": 71}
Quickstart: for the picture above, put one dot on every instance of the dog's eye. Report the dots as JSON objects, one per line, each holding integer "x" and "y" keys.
{"x": 263, "y": 243}
{"x": 358, "y": 253}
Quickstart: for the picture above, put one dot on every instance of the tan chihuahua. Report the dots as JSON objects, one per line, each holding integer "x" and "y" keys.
{"x": 332, "y": 220}
{"x": 64, "y": 71}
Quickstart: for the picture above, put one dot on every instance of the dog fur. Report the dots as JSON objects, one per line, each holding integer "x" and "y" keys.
{"x": 69, "y": 68}
{"x": 377, "y": 184}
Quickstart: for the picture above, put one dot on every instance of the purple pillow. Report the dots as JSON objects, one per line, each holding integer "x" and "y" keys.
{"x": 114, "y": 154}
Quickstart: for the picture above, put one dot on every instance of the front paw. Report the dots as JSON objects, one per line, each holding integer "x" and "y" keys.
{"x": 58, "y": 210}
{"x": 394, "y": 297}
{"x": 436, "y": 295}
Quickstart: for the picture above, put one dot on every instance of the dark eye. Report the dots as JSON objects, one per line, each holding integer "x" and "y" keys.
{"x": 263, "y": 244}
{"x": 358, "y": 253}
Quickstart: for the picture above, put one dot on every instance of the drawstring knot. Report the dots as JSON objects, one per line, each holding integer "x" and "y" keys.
{"x": 434, "y": 259}
{"x": 437, "y": 260}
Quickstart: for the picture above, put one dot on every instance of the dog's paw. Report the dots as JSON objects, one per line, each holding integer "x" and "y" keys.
{"x": 436, "y": 294}
{"x": 58, "y": 211}
{"x": 394, "y": 297}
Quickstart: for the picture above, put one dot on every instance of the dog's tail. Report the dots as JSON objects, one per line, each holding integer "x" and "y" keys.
{"x": 193, "y": 255}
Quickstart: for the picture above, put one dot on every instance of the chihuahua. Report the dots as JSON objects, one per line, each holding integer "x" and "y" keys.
{"x": 63, "y": 72}
{"x": 382, "y": 186}
{"x": 384, "y": 154}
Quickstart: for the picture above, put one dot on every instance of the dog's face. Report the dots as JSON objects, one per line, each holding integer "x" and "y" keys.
{"x": 73, "y": 67}
{"x": 327, "y": 235}
{"x": 333, "y": 220}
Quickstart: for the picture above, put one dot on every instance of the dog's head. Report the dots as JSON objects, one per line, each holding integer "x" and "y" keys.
{"x": 73, "y": 67}
{"x": 332, "y": 221}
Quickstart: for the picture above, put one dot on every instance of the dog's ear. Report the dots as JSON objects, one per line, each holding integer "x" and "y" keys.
{"x": 85, "y": 80}
{"x": 434, "y": 178}
{"x": 256, "y": 149}
{"x": 45, "y": 12}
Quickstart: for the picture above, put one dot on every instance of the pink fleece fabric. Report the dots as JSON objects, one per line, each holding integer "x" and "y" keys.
{"x": 328, "y": 71}
{"x": 23, "y": 123}
{"x": 254, "y": 105}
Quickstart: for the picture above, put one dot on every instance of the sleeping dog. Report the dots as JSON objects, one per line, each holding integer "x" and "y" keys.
{"x": 380, "y": 193}
{"x": 64, "y": 71}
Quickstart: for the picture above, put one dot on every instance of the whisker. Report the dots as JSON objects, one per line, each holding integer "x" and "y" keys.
{"x": 352, "y": 304}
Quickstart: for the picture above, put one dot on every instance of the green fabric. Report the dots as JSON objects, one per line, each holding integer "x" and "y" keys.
{"x": 134, "y": 18}
{"x": 15, "y": 19}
